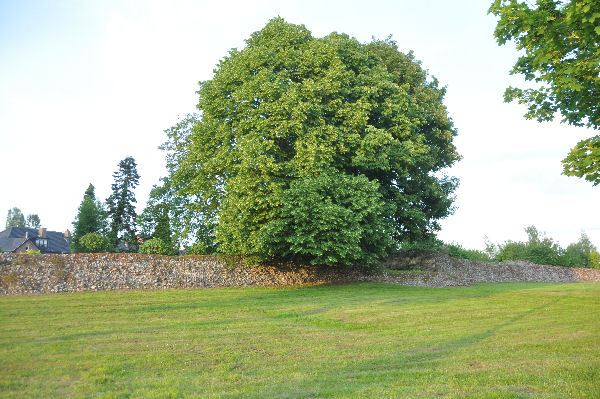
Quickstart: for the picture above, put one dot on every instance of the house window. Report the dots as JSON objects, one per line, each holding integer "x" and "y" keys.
{"x": 42, "y": 242}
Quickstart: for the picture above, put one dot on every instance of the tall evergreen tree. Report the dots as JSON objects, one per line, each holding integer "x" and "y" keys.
{"x": 15, "y": 218}
{"x": 91, "y": 218}
{"x": 121, "y": 204}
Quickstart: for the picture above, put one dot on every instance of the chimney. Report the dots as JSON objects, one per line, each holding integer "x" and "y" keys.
{"x": 26, "y": 235}
{"x": 42, "y": 232}
{"x": 67, "y": 235}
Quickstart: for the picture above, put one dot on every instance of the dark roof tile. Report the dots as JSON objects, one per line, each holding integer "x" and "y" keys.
{"x": 56, "y": 239}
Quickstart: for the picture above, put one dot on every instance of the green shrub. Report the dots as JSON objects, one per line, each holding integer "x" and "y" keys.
{"x": 457, "y": 251}
{"x": 537, "y": 249}
{"x": 594, "y": 260}
{"x": 540, "y": 253}
{"x": 94, "y": 242}
{"x": 155, "y": 246}
{"x": 454, "y": 250}
{"x": 578, "y": 254}
{"x": 331, "y": 219}
{"x": 33, "y": 252}
{"x": 198, "y": 248}
{"x": 574, "y": 257}
{"x": 430, "y": 244}
{"x": 544, "y": 251}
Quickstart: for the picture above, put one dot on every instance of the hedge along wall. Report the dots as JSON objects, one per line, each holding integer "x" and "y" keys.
{"x": 21, "y": 273}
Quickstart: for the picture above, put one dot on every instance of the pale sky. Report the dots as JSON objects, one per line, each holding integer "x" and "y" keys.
{"x": 84, "y": 84}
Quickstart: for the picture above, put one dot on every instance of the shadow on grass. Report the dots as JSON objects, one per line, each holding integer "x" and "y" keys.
{"x": 402, "y": 367}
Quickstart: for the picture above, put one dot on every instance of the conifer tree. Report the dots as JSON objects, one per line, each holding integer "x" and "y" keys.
{"x": 91, "y": 218}
{"x": 121, "y": 205}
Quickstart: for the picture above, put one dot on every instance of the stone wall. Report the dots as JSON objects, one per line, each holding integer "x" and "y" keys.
{"x": 440, "y": 270}
{"x": 22, "y": 274}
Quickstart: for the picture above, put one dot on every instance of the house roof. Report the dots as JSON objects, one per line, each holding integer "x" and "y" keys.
{"x": 56, "y": 240}
{"x": 10, "y": 244}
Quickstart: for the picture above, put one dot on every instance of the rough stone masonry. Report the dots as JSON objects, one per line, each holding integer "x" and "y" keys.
{"x": 25, "y": 274}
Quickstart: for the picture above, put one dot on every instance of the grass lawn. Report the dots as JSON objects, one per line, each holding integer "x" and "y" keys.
{"x": 346, "y": 341}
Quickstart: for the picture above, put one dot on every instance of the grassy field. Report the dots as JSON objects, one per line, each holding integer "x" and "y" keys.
{"x": 347, "y": 341}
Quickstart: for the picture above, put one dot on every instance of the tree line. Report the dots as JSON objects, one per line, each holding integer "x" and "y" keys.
{"x": 16, "y": 218}
{"x": 538, "y": 248}
{"x": 112, "y": 225}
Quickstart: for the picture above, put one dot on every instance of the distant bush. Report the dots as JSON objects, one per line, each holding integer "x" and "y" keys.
{"x": 431, "y": 244}
{"x": 538, "y": 249}
{"x": 454, "y": 250}
{"x": 457, "y": 251}
{"x": 594, "y": 260}
{"x": 94, "y": 242}
{"x": 540, "y": 253}
{"x": 545, "y": 251}
{"x": 198, "y": 248}
{"x": 33, "y": 252}
{"x": 155, "y": 246}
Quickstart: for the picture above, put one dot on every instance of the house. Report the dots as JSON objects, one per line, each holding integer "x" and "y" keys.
{"x": 21, "y": 239}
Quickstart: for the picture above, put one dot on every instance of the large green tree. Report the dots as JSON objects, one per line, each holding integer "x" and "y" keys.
{"x": 323, "y": 150}
{"x": 121, "y": 206}
{"x": 91, "y": 218}
{"x": 560, "y": 54}
{"x": 15, "y": 218}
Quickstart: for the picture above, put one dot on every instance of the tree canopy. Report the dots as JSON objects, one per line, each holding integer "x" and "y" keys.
{"x": 560, "y": 44}
{"x": 584, "y": 160}
{"x": 170, "y": 215}
{"x": 33, "y": 221}
{"x": 560, "y": 41}
{"x": 15, "y": 218}
{"x": 324, "y": 150}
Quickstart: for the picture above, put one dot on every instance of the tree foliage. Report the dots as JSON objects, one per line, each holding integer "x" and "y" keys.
{"x": 156, "y": 246}
{"x": 91, "y": 218}
{"x": 584, "y": 160}
{"x": 155, "y": 219}
{"x": 33, "y": 221}
{"x": 594, "y": 260}
{"x": 121, "y": 205}
{"x": 15, "y": 218}
{"x": 544, "y": 250}
{"x": 560, "y": 41}
{"x": 580, "y": 253}
{"x": 93, "y": 242}
{"x": 173, "y": 216}
{"x": 352, "y": 134}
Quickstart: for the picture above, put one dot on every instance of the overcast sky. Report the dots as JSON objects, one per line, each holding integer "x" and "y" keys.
{"x": 85, "y": 84}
